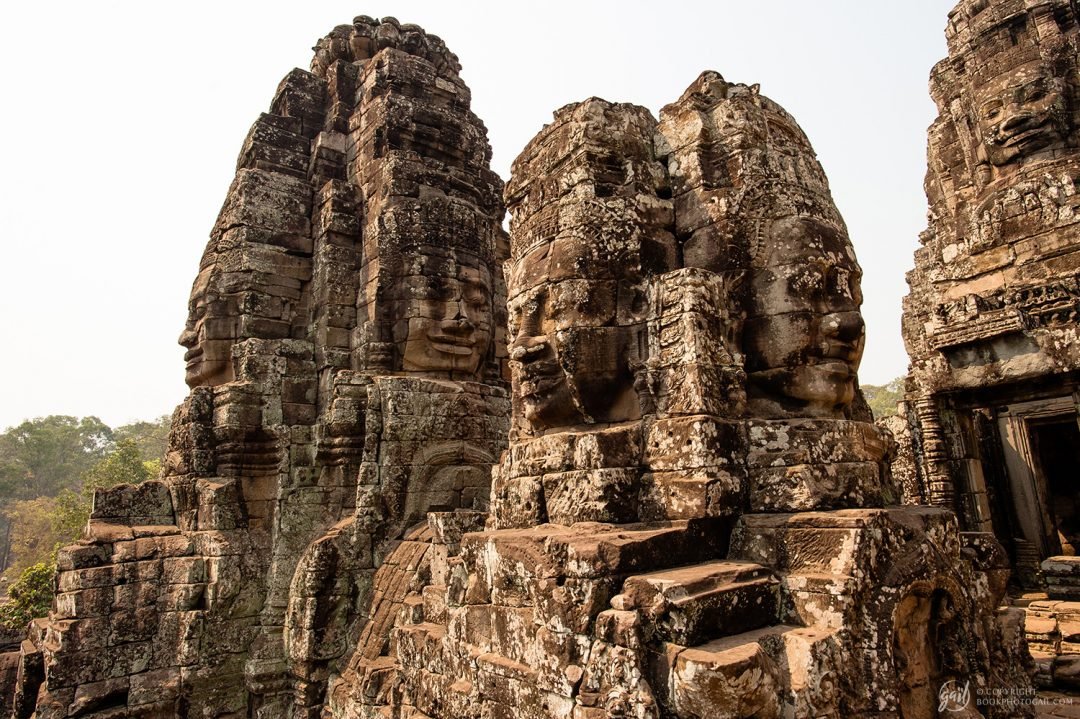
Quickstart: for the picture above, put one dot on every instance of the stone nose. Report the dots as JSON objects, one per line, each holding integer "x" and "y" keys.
{"x": 527, "y": 349}
{"x": 459, "y": 313}
{"x": 1015, "y": 117}
{"x": 188, "y": 337}
{"x": 843, "y": 326}
{"x": 457, "y": 327}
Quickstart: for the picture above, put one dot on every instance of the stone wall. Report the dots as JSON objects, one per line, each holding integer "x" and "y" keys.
{"x": 993, "y": 309}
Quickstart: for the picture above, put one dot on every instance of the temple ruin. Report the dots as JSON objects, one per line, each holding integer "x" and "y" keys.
{"x": 991, "y": 321}
{"x": 346, "y": 360}
{"x": 633, "y": 476}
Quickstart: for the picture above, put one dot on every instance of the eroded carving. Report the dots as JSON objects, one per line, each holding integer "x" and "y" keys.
{"x": 684, "y": 346}
{"x": 449, "y": 314}
{"x": 345, "y": 380}
{"x": 991, "y": 319}
{"x": 209, "y": 335}
{"x": 688, "y": 518}
{"x": 1021, "y": 112}
{"x": 804, "y": 334}
{"x": 570, "y": 360}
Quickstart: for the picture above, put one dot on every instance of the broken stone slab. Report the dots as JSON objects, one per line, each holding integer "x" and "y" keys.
{"x": 686, "y": 494}
{"x": 727, "y": 678}
{"x": 689, "y": 605}
{"x": 447, "y": 528}
{"x": 1062, "y": 566}
{"x": 1062, "y": 590}
{"x": 591, "y": 495}
{"x": 811, "y": 541}
{"x": 609, "y": 448}
{"x": 806, "y": 441}
{"x": 693, "y": 442}
{"x": 588, "y": 550}
{"x": 1062, "y": 575}
{"x": 147, "y": 503}
{"x": 82, "y": 556}
{"x": 1066, "y": 671}
{"x": 809, "y": 487}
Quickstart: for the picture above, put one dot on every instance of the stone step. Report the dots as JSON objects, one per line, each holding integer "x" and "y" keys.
{"x": 1062, "y": 575}
{"x": 690, "y": 604}
{"x": 727, "y": 678}
{"x": 767, "y": 672}
{"x": 509, "y": 562}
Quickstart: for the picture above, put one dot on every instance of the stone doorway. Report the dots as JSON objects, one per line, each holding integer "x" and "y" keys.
{"x": 1041, "y": 444}
{"x": 1056, "y": 448}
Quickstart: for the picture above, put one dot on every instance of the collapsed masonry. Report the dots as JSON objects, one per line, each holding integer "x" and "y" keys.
{"x": 690, "y": 518}
{"x": 992, "y": 319}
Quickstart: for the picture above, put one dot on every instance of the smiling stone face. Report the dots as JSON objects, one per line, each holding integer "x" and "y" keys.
{"x": 449, "y": 327}
{"x": 804, "y": 334}
{"x": 1020, "y": 112}
{"x": 211, "y": 330}
{"x": 569, "y": 364}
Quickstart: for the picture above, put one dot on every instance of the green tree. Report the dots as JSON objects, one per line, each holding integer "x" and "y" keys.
{"x": 29, "y": 596}
{"x": 123, "y": 465}
{"x": 33, "y": 538}
{"x": 68, "y": 518}
{"x": 883, "y": 398}
{"x": 150, "y": 437}
{"x": 40, "y": 526}
{"x": 42, "y": 456}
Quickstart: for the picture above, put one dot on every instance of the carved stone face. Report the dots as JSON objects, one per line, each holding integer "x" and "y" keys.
{"x": 1020, "y": 112}
{"x": 804, "y": 334}
{"x": 569, "y": 366}
{"x": 449, "y": 317}
{"x": 212, "y": 329}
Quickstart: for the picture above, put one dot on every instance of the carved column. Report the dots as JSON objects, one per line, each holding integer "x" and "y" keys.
{"x": 940, "y": 491}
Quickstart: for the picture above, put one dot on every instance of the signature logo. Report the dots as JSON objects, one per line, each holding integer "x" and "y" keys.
{"x": 953, "y": 696}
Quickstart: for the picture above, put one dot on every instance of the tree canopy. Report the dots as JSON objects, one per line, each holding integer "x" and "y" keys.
{"x": 150, "y": 438}
{"x": 29, "y": 596}
{"x": 49, "y": 469}
{"x": 883, "y": 398}
{"x": 42, "y": 456}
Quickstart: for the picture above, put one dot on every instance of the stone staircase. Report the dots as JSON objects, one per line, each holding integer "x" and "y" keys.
{"x": 727, "y": 640}
{"x": 752, "y": 674}
{"x": 689, "y": 604}
{"x": 561, "y": 617}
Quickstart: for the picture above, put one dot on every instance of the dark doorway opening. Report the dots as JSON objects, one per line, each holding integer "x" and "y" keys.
{"x": 1056, "y": 448}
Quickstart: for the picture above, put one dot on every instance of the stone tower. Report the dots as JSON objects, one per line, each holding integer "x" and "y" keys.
{"x": 690, "y": 519}
{"x": 991, "y": 319}
{"x": 346, "y": 356}
{"x": 687, "y": 514}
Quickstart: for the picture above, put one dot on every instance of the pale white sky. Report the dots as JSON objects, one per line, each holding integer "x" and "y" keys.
{"x": 122, "y": 122}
